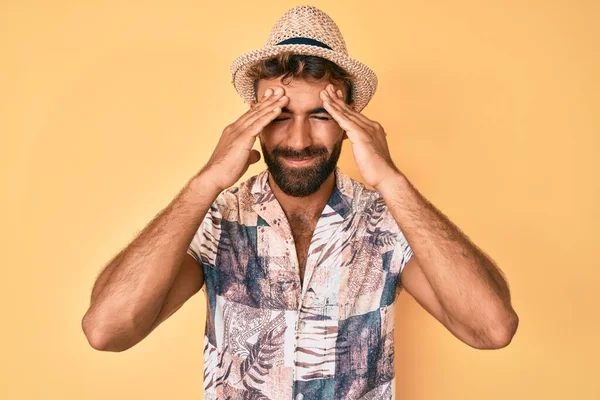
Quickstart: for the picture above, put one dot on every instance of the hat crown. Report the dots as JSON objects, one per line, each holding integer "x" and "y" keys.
{"x": 307, "y": 22}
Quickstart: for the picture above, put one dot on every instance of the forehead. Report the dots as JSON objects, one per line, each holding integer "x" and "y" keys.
{"x": 303, "y": 93}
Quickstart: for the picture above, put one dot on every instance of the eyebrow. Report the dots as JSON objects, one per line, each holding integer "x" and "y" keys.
{"x": 318, "y": 110}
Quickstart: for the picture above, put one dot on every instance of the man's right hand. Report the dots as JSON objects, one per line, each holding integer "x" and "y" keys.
{"x": 234, "y": 154}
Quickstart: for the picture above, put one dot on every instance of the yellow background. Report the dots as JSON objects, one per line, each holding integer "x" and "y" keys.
{"x": 492, "y": 111}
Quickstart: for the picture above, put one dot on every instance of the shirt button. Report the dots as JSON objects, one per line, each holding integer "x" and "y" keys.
{"x": 299, "y": 396}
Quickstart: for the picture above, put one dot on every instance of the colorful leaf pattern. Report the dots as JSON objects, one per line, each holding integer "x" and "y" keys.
{"x": 270, "y": 338}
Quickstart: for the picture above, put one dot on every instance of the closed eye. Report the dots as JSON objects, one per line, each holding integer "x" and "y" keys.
{"x": 319, "y": 118}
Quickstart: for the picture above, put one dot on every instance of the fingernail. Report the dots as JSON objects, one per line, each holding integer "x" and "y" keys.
{"x": 339, "y": 93}
{"x": 277, "y": 90}
{"x": 268, "y": 93}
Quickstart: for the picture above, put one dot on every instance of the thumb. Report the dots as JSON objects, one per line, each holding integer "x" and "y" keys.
{"x": 254, "y": 157}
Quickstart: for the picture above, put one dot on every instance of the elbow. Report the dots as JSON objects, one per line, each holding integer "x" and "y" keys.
{"x": 502, "y": 333}
{"x": 93, "y": 335}
{"x": 102, "y": 339}
{"x": 97, "y": 341}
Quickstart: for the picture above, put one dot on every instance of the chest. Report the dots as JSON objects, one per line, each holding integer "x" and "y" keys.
{"x": 342, "y": 268}
{"x": 302, "y": 231}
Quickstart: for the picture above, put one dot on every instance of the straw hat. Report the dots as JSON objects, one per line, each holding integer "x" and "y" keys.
{"x": 306, "y": 30}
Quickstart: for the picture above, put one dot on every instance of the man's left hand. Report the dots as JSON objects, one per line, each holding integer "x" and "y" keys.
{"x": 369, "y": 144}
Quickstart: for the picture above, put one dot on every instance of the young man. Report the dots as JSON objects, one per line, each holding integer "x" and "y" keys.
{"x": 302, "y": 264}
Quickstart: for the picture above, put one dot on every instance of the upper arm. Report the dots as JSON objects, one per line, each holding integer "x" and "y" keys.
{"x": 416, "y": 284}
{"x": 188, "y": 282}
{"x": 190, "y": 279}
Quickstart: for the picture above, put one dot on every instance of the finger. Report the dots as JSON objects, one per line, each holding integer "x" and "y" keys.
{"x": 343, "y": 99}
{"x": 343, "y": 106}
{"x": 349, "y": 113}
{"x": 344, "y": 122}
{"x": 254, "y": 156}
{"x": 270, "y": 95}
{"x": 350, "y": 107}
{"x": 337, "y": 95}
{"x": 355, "y": 131}
{"x": 345, "y": 112}
{"x": 269, "y": 98}
{"x": 359, "y": 122}
{"x": 265, "y": 110}
{"x": 264, "y": 118}
{"x": 338, "y": 98}
{"x": 265, "y": 96}
{"x": 267, "y": 93}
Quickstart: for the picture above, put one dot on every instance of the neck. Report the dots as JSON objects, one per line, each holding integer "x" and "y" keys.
{"x": 310, "y": 206}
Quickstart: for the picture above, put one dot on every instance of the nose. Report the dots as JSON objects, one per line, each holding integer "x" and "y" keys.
{"x": 299, "y": 134}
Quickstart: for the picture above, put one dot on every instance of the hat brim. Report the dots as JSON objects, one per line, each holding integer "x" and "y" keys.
{"x": 363, "y": 78}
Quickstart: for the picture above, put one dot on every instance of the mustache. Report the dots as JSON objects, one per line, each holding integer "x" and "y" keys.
{"x": 305, "y": 153}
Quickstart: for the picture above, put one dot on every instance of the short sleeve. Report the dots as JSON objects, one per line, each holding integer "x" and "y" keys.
{"x": 388, "y": 234}
{"x": 204, "y": 244}
{"x": 402, "y": 249}
{"x": 394, "y": 247}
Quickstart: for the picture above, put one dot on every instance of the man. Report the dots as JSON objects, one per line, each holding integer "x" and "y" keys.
{"x": 302, "y": 264}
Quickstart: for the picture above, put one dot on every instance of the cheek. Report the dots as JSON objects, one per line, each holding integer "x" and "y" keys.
{"x": 326, "y": 128}
{"x": 327, "y": 133}
{"x": 271, "y": 135}
{"x": 331, "y": 133}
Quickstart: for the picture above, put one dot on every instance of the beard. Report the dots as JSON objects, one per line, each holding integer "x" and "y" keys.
{"x": 301, "y": 181}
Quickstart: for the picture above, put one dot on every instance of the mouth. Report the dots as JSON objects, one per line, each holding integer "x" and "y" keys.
{"x": 299, "y": 162}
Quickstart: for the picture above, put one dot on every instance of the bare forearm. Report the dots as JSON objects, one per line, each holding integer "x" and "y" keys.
{"x": 130, "y": 291}
{"x": 469, "y": 286}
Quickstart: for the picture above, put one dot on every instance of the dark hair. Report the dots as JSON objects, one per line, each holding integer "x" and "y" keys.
{"x": 290, "y": 66}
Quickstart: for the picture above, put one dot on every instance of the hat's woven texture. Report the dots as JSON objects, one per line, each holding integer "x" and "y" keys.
{"x": 310, "y": 23}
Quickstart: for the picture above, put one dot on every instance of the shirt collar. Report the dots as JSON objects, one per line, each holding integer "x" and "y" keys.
{"x": 340, "y": 199}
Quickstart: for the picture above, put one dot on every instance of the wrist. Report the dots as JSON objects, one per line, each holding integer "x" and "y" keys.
{"x": 396, "y": 181}
{"x": 203, "y": 185}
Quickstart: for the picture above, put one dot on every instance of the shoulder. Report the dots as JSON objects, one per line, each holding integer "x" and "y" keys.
{"x": 376, "y": 215}
{"x": 242, "y": 196}
{"x": 367, "y": 202}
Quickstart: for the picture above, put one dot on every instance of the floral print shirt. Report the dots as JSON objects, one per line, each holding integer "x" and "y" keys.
{"x": 269, "y": 336}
